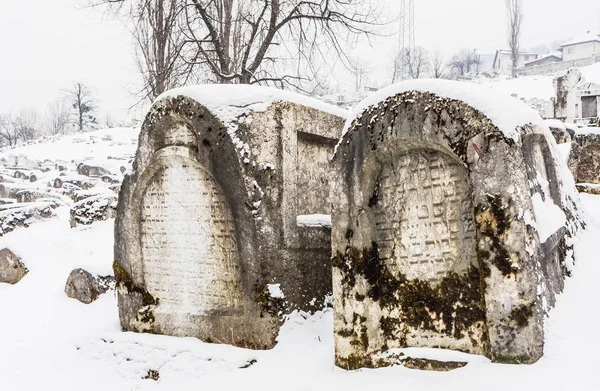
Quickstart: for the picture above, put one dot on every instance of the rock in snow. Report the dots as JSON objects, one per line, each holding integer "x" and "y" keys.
{"x": 85, "y": 287}
{"x": 12, "y": 270}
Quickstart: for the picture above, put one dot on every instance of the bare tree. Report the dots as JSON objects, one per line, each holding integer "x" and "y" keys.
{"x": 57, "y": 117}
{"x": 514, "y": 9}
{"x": 438, "y": 65}
{"x": 416, "y": 64}
{"x": 268, "y": 41}
{"x": 8, "y": 133}
{"x": 22, "y": 127}
{"x": 81, "y": 100}
{"x": 159, "y": 41}
{"x": 360, "y": 69}
{"x": 464, "y": 62}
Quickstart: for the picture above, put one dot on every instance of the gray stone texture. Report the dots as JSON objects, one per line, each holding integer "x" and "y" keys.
{"x": 95, "y": 208}
{"x": 17, "y": 215}
{"x": 584, "y": 159}
{"x": 560, "y": 134}
{"x": 207, "y": 220}
{"x": 85, "y": 287}
{"x": 12, "y": 270}
{"x": 430, "y": 244}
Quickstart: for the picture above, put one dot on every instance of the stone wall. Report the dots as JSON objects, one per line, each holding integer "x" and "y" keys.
{"x": 433, "y": 240}
{"x": 557, "y": 66}
{"x": 207, "y": 221}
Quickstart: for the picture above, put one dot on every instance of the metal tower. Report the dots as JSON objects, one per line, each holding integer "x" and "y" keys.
{"x": 406, "y": 38}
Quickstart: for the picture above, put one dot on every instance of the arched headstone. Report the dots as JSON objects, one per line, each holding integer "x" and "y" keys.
{"x": 437, "y": 233}
{"x": 206, "y": 241}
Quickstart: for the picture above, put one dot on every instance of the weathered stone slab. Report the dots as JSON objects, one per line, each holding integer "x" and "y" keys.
{"x": 584, "y": 160}
{"x": 434, "y": 231}
{"x": 85, "y": 287}
{"x": 206, "y": 222}
{"x": 559, "y": 131}
{"x": 12, "y": 270}
{"x": 91, "y": 171}
{"x": 581, "y": 187}
{"x": 95, "y": 208}
{"x": 13, "y": 216}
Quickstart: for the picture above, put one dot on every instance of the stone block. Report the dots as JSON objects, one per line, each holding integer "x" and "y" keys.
{"x": 435, "y": 237}
{"x": 207, "y": 219}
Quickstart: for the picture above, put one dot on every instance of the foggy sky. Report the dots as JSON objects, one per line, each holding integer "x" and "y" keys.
{"x": 47, "y": 45}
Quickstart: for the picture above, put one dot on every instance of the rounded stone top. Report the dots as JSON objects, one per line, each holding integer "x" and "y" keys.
{"x": 228, "y": 102}
{"x": 507, "y": 113}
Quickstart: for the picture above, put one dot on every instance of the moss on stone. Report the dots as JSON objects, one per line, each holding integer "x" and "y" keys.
{"x": 521, "y": 314}
{"x": 376, "y": 196}
{"x": 432, "y": 365}
{"x": 511, "y": 359}
{"x": 353, "y": 362}
{"x": 456, "y": 299}
{"x": 493, "y": 222}
{"x": 124, "y": 280}
{"x": 273, "y": 306}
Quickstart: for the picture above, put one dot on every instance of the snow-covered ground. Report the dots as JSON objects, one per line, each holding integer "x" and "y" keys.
{"x": 49, "y": 341}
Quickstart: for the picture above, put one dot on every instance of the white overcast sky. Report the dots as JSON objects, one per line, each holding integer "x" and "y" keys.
{"x": 47, "y": 45}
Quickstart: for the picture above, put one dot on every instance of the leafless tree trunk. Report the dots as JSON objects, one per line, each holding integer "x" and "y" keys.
{"x": 274, "y": 42}
{"x": 514, "y": 9}
{"x": 359, "y": 69}
{"x": 159, "y": 42}
{"x": 57, "y": 117}
{"x": 417, "y": 63}
{"x": 81, "y": 100}
{"x": 438, "y": 65}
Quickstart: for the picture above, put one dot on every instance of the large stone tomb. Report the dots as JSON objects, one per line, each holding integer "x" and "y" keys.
{"x": 434, "y": 235}
{"x": 206, "y": 241}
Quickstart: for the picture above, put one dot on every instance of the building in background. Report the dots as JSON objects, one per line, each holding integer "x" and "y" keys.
{"x": 503, "y": 60}
{"x": 582, "y": 47}
{"x": 545, "y": 60}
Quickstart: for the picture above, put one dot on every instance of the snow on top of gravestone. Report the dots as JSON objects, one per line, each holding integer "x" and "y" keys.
{"x": 506, "y": 112}
{"x": 555, "y": 124}
{"x": 229, "y": 101}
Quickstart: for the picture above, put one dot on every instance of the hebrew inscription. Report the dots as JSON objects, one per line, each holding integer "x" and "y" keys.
{"x": 188, "y": 242}
{"x": 424, "y": 225}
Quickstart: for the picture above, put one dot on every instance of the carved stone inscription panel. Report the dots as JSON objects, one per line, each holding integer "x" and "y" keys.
{"x": 188, "y": 242}
{"x": 314, "y": 176}
{"x": 424, "y": 224}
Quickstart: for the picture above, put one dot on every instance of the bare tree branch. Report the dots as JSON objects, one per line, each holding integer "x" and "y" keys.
{"x": 514, "y": 10}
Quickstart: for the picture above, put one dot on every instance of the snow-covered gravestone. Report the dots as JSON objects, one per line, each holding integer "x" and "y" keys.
{"x": 584, "y": 159}
{"x": 449, "y": 225}
{"x": 206, "y": 227}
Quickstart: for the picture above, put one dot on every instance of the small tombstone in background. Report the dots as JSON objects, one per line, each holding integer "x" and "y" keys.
{"x": 98, "y": 207}
{"x": 439, "y": 234}
{"x": 559, "y": 131}
{"x": 206, "y": 221}
{"x": 12, "y": 270}
{"x": 584, "y": 159}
